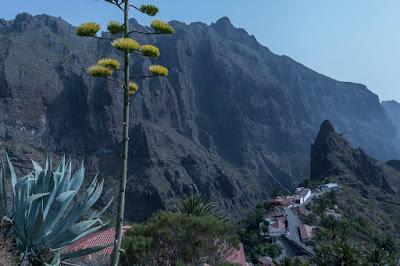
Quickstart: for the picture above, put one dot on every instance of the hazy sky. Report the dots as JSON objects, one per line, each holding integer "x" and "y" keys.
{"x": 349, "y": 40}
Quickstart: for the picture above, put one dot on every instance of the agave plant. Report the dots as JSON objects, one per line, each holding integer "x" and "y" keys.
{"x": 45, "y": 211}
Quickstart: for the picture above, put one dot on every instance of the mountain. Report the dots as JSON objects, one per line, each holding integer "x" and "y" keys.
{"x": 370, "y": 188}
{"x": 392, "y": 109}
{"x": 232, "y": 121}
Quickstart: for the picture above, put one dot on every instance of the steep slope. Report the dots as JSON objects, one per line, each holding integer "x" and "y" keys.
{"x": 392, "y": 109}
{"x": 370, "y": 188}
{"x": 231, "y": 121}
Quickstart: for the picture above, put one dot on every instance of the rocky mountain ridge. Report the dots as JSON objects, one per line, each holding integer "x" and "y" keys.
{"x": 370, "y": 188}
{"x": 232, "y": 121}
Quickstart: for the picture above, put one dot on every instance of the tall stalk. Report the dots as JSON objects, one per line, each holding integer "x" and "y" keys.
{"x": 105, "y": 68}
{"x": 125, "y": 137}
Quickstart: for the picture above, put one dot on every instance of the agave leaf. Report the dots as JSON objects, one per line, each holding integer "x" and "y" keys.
{"x": 55, "y": 261}
{"x": 95, "y": 195}
{"x": 57, "y": 209}
{"x": 54, "y": 185}
{"x": 84, "y": 252}
{"x": 37, "y": 168}
{"x": 77, "y": 179}
{"x": 97, "y": 214}
{"x": 3, "y": 190}
{"x": 69, "y": 240}
{"x": 35, "y": 226}
{"x": 35, "y": 197}
{"x": 81, "y": 208}
{"x": 12, "y": 173}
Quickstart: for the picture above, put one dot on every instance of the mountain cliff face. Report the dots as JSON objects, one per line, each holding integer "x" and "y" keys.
{"x": 232, "y": 121}
{"x": 370, "y": 188}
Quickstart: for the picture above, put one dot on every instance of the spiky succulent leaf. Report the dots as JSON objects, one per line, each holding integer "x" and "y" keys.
{"x": 84, "y": 252}
{"x": 98, "y": 214}
{"x": 158, "y": 70}
{"x": 55, "y": 261}
{"x": 114, "y": 27}
{"x": 12, "y": 173}
{"x": 126, "y": 44}
{"x": 150, "y": 50}
{"x": 88, "y": 29}
{"x": 162, "y": 27}
{"x": 150, "y": 10}
{"x": 4, "y": 206}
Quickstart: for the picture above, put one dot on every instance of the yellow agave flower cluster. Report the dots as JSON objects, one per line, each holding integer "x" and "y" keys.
{"x": 89, "y": 29}
{"x": 150, "y": 50}
{"x": 161, "y": 27}
{"x": 126, "y": 44}
{"x": 158, "y": 70}
{"x": 104, "y": 67}
{"x": 133, "y": 88}
{"x": 150, "y": 10}
{"x": 114, "y": 27}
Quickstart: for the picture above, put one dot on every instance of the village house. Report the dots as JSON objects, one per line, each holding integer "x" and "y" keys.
{"x": 302, "y": 194}
{"x": 276, "y": 223}
{"x": 306, "y": 233}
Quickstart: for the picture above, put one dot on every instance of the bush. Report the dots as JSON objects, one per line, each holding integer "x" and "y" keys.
{"x": 270, "y": 250}
{"x": 169, "y": 237}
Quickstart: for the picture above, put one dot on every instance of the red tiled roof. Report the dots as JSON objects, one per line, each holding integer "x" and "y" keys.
{"x": 96, "y": 239}
{"x": 238, "y": 257}
{"x": 306, "y": 232}
{"x": 279, "y": 225}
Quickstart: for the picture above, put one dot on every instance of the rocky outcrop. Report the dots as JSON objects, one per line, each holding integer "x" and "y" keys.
{"x": 232, "y": 121}
{"x": 333, "y": 156}
{"x": 370, "y": 189}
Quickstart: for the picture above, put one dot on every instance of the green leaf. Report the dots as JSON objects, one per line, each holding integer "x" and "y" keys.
{"x": 84, "y": 252}
{"x": 12, "y": 173}
{"x": 55, "y": 261}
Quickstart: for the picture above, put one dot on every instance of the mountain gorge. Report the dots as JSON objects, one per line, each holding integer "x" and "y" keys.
{"x": 231, "y": 122}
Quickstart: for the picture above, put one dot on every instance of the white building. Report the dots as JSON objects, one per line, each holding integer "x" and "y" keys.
{"x": 329, "y": 186}
{"x": 302, "y": 194}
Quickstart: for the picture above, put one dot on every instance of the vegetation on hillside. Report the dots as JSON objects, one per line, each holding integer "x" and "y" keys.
{"x": 351, "y": 240}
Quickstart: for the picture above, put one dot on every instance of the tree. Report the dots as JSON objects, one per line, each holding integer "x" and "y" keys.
{"x": 338, "y": 253}
{"x": 106, "y": 67}
{"x": 378, "y": 257}
{"x": 286, "y": 261}
{"x": 270, "y": 250}
{"x": 194, "y": 205}
{"x": 168, "y": 238}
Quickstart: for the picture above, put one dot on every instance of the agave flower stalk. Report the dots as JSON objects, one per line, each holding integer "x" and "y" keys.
{"x": 127, "y": 45}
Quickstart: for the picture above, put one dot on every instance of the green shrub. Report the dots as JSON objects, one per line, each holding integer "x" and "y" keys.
{"x": 169, "y": 237}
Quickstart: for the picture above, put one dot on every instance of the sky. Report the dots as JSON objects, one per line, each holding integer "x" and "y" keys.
{"x": 349, "y": 40}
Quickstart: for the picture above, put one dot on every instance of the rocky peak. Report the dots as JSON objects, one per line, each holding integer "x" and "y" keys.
{"x": 326, "y": 129}
{"x": 333, "y": 157}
